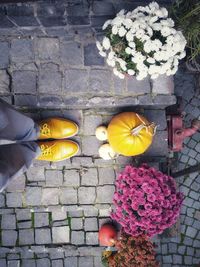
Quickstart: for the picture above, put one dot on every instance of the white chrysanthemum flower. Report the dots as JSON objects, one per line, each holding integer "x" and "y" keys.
{"x": 175, "y": 61}
{"x": 170, "y": 40}
{"x": 144, "y": 37}
{"x": 167, "y": 66}
{"x": 164, "y": 12}
{"x": 161, "y": 70}
{"x": 177, "y": 47}
{"x": 131, "y": 72}
{"x": 142, "y": 24}
{"x": 179, "y": 38}
{"x": 135, "y": 11}
{"x": 133, "y": 52}
{"x": 153, "y": 19}
{"x": 153, "y": 5}
{"x": 159, "y": 13}
{"x": 115, "y": 71}
{"x": 141, "y": 76}
{"x": 182, "y": 55}
{"x": 156, "y": 26}
{"x": 99, "y": 46}
{"x": 123, "y": 67}
{"x": 106, "y": 43}
{"x": 115, "y": 30}
{"x": 128, "y": 50}
{"x": 129, "y": 14}
{"x": 147, "y": 9}
{"x": 106, "y": 24}
{"x": 131, "y": 44}
{"x": 118, "y": 74}
{"x": 138, "y": 58}
{"x": 149, "y": 31}
{"x": 122, "y": 31}
{"x": 111, "y": 55}
{"x": 142, "y": 67}
{"x": 117, "y": 21}
{"x": 157, "y": 43}
{"x": 166, "y": 31}
{"x": 174, "y": 70}
{"x": 128, "y": 23}
{"x": 141, "y": 8}
{"x": 167, "y": 22}
{"x": 121, "y": 12}
{"x": 154, "y": 45}
{"x": 169, "y": 72}
{"x": 102, "y": 53}
{"x": 151, "y": 60}
{"x": 111, "y": 62}
{"x": 121, "y": 76}
{"x": 129, "y": 36}
{"x": 122, "y": 63}
{"x": 153, "y": 69}
{"x": 140, "y": 33}
{"x": 154, "y": 76}
{"x": 164, "y": 55}
{"x": 148, "y": 46}
{"x": 135, "y": 27}
{"x": 156, "y": 57}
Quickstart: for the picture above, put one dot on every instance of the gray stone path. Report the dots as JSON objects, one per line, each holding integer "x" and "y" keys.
{"x": 184, "y": 250}
{"x": 51, "y": 215}
{"x": 57, "y": 58}
{"x": 64, "y": 204}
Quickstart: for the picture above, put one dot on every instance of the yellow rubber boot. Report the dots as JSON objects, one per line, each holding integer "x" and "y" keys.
{"x": 57, "y": 150}
{"x": 57, "y": 128}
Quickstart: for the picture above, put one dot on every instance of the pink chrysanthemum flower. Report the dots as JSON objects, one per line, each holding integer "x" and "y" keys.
{"x": 146, "y": 201}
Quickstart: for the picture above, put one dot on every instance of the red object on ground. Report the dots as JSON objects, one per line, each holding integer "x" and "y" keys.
{"x": 177, "y": 133}
{"x": 107, "y": 235}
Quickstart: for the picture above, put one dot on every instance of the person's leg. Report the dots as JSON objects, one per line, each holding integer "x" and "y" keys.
{"x": 15, "y": 126}
{"x": 15, "y": 159}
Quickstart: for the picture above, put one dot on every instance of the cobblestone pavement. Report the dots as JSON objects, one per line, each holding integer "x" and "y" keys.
{"x": 51, "y": 215}
{"x": 55, "y": 210}
{"x": 184, "y": 250}
{"x": 56, "y": 56}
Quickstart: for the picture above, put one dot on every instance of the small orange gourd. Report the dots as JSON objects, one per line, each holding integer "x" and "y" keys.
{"x": 107, "y": 235}
{"x": 130, "y": 134}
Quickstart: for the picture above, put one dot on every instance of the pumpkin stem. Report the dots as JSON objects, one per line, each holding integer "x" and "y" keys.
{"x": 136, "y": 130}
{"x": 112, "y": 241}
{"x": 111, "y": 156}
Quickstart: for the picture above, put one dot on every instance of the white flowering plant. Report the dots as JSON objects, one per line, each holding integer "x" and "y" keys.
{"x": 142, "y": 42}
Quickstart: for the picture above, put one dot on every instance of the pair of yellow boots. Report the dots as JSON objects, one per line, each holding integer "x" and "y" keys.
{"x": 59, "y": 149}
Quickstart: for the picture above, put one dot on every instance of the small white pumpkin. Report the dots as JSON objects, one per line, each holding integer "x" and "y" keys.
{"x": 106, "y": 152}
{"x": 101, "y": 133}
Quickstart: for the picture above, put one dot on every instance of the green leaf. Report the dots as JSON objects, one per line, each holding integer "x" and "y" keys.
{"x": 186, "y": 15}
{"x": 104, "y": 262}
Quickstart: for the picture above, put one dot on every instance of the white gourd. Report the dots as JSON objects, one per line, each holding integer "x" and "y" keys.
{"x": 106, "y": 152}
{"x": 101, "y": 133}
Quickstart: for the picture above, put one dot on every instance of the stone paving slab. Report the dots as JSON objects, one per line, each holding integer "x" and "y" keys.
{"x": 81, "y": 221}
{"x": 53, "y": 83}
{"x": 51, "y": 222}
{"x": 65, "y": 202}
{"x": 184, "y": 250}
{"x": 55, "y": 54}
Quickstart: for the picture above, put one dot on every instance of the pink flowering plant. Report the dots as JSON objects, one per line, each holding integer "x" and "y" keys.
{"x": 146, "y": 201}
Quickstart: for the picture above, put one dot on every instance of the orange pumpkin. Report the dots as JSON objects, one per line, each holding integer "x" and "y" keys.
{"x": 130, "y": 134}
{"x": 107, "y": 235}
